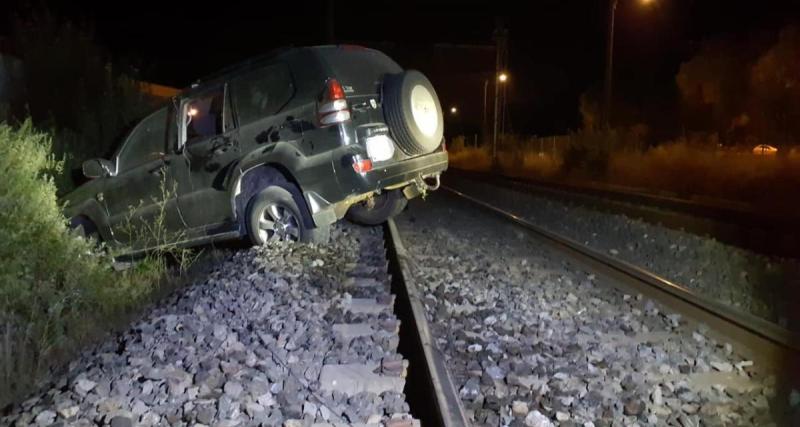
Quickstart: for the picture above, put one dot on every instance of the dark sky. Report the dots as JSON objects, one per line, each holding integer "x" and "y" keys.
{"x": 557, "y": 47}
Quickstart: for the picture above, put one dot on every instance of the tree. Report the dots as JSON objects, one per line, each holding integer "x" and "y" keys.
{"x": 775, "y": 90}
{"x": 713, "y": 85}
{"x": 72, "y": 88}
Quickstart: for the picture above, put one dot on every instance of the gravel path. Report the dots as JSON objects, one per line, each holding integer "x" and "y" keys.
{"x": 274, "y": 336}
{"x": 533, "y": 341}
{"x": 767, "y": 287}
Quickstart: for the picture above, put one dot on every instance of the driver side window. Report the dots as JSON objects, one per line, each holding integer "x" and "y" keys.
{"x": 206, "y": 115}
{"x": 146, "y": 142}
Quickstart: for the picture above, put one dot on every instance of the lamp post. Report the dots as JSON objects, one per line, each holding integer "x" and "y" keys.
{"x": 501, "y": 77}
{"x": 609, "y": 63}
{"x": 612, "y": 12}
{"x": 485, "y": 128}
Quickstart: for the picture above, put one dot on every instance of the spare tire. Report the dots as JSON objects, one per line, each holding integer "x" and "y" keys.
{"x": 413, "y": 112}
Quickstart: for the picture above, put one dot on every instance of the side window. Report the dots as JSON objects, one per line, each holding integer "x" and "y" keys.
{"x": 261, "y": 93}
{"x": 146, "y": 142}
{"x": 205, "y": 116}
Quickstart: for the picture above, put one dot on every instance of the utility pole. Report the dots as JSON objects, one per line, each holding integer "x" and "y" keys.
{"x": 501, "y": 38}
{"x": 330, "y": 22}
{"x": 612, "y": 12}
{"x": 485, "y": 127}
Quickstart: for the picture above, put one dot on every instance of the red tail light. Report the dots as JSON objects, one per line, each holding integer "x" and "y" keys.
{"x": 332, "y": 108}
{"x": 335, "y": 90}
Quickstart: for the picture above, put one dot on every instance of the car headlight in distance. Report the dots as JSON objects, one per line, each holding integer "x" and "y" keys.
{"x": 380, "y": 148}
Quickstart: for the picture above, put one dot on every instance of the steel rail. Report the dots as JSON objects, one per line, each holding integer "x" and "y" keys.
{"x": 430, "y": 391}
{"x": 762, "y": 232}
{"x": 763, "y": 341}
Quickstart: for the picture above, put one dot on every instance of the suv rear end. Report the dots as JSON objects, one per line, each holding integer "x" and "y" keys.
{"x": 390, "y": 128}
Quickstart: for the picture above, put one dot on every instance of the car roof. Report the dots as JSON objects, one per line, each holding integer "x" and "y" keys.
{"x": 266, "y": 57}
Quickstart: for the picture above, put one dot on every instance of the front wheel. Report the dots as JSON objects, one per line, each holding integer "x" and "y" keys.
{"x": 273, "y": 214}
{"x": 379, "y": 209}
{"x": 86, "y": 228}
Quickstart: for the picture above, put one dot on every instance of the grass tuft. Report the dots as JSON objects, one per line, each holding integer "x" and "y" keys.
{"x": 58, "y": 290}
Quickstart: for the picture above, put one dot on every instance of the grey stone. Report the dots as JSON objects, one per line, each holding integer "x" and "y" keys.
{"x": 634, "y": 407}
{"x": 355, "y": 330}
{"x": 206, "y": 414}
{"x": 722, "y": 366}
{"x": 470, "y": 390}
{"x": 519, "y": 408}
{"x": 83, "y": 386}
{"x": 233, "y": 389}
{"x": 537, "y": 419}
{"x": 121, "y": 421}
{"x": 45, "y": 417}
{"x": 310, "y": 409}
{"x": 352, "y": 379}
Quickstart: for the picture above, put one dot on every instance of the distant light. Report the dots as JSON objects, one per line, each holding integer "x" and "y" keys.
{"x": 502, "y": 77}
{"x": 192, "y": 112}
{"x": 453, "y": 110}
{"x": 646, "y": 2}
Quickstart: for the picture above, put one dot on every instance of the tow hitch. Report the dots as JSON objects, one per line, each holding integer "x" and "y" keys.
{"x": 421, "y": 186}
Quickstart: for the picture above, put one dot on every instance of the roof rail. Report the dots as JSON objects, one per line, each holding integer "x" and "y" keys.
{"x": 247, "y": 62}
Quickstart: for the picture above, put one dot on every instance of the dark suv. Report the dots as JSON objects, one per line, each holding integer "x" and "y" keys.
{"x": 278, "y": 147}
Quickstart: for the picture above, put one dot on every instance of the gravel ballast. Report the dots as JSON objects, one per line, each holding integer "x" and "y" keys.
{"x": 531, "y": 340}
{"x": 282, "y": 335}
{"x": 764, "y": 286}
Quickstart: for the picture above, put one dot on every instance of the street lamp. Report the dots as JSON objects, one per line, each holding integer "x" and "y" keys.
{"x": 502, "y": 77}
{"x": 453, "y": 110}
{"x": 610, "y": 59}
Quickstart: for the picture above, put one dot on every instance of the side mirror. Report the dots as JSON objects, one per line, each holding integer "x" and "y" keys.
{"x": 97, "y": 168}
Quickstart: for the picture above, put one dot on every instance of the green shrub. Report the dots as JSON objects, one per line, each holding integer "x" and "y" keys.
{"x": 56, "y": 288}
{"x": 588, "y": 153}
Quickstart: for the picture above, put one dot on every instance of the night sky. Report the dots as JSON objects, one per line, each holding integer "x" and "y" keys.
{"x": 557, "y": 47}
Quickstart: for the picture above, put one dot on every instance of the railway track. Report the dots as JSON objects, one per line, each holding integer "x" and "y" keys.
{"x": 280, "y": 335}
{"x": 287, "y": 336}
{"x": 772, "y": 344}
{"x": 773, "y": 349}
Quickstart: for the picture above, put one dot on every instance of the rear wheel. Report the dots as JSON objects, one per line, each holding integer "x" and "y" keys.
{"x": 379, "y": 209}
{"x": 273, "y": 214}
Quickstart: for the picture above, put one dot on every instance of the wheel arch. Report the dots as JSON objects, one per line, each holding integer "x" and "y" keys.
{"x": 92, "y": 212}
{"x": 258, "y": 177}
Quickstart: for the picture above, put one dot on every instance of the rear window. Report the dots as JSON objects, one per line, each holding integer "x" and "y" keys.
{"x": 359, "y": 70}
{"x": 262, "y": 93}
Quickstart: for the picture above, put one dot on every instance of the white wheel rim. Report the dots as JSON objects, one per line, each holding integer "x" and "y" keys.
{"x": 424, "y": 111}
{"x": 278, "y": 222}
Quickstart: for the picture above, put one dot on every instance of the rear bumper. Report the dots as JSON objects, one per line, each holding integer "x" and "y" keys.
{"x": 356, "y": 187}
{"x": 402, "y": 172}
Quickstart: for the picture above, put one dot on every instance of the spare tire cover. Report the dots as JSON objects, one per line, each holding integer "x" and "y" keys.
{"x": 413, "y": 112}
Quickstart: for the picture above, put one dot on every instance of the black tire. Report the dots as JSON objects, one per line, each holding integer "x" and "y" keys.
{"x": 274, "y": 213}
{"x": 414, "y": 135}
{"x": 387, "y": 205}
{"x": 86, "y": 228}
